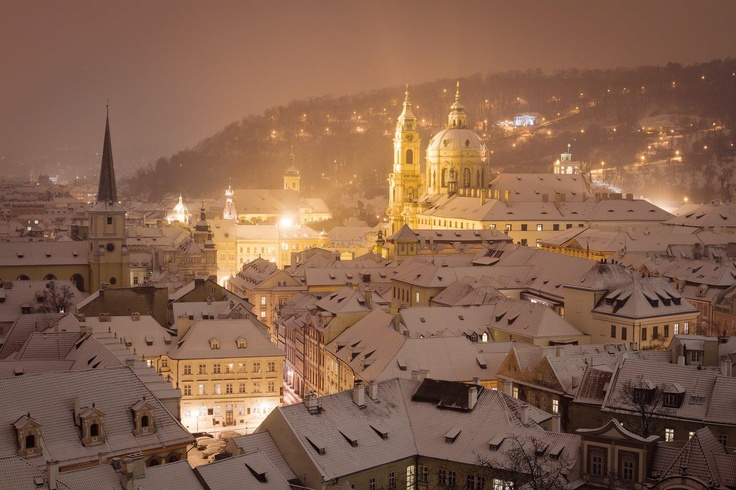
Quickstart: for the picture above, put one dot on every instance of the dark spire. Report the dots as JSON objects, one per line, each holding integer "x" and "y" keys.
{"x": 107, "y": 192}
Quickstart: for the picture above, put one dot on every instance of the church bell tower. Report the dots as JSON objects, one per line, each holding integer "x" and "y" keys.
{"x": 109, "y": 260}
{"x": 405, "y": 181}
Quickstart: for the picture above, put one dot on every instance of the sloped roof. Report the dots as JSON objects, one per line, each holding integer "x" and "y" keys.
{"x": 196, "y": 341}
{"x": 644, "y": 297}
{"x": 50, "y": 400}
{"x": 262, "y": 441}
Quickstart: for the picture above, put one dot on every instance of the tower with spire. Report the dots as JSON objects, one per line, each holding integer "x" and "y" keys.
{"x": 292, "y": 179}
{"x": 109, "y": 260}
{"x": 405, "y": 182}
{"x": 229, "y": 211}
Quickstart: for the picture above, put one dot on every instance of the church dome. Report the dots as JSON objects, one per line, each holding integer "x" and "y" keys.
{"x": 456, "y": 139}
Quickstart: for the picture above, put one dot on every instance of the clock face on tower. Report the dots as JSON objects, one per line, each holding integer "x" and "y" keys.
{"x": 409, "y": 137}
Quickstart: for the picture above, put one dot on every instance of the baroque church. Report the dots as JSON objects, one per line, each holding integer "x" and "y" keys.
{"x": 456, "y": 159}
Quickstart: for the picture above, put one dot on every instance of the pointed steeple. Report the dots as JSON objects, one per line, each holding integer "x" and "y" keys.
{"x": 407, "y": 114}
{"x": 107, "y": 192}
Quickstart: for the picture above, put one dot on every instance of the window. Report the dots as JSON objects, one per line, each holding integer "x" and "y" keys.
{"x": 515, "y": 392}
{"x": 643, "y": 333}
{"x": 696, "y": 356}
{"x": 441, "y": 477}
{"x": 263, "y": 314}
{"x": 201, "y": 389}
{"x": 217, "y": 388}
{"x": 256, "y": 367}
{"x": 628, "y": 466}
{"x": 451, "y": 478}
{"x": 228, "y": 368}
{"x": 540, "y": 227}
{"x": 187, "y": 369}
{"x": 423, "y": 474}
{"x": 672, "y": 400}
{"x": 410, "y": 478}
{"x": 596, "y": 464}
{"x": 499, "y": 484}
{"x": 723, "y": 439}
{"x": 686, "y": 328}
{"x": 676, "y": 328}
{"x": 164, "y": 362}
{"x": 556, "y": 227}
{"x": 256, "y": 387}
{"x": 241, "y": 387}
{"x": 229, "y": 388}
{"x": 690, "y": 435}
{"x": 417, "y": 298}
{"x": 623, "y": 333}
{"x": 555, "y": 406}
{"x": 271, "y": 386}
{"x": 392, "y": 479}
{"x": 507, "y": 227}
{"x": 135, "y": 280}
{"x": 655, "y": 333}
{"x": 480, "y": 482}
{"x": 372, "y": 483}
{"x": 613, "y": 331}
{"x": 263, "y": 301}
{"x": 202, "y": 369}
{"x": 524, "y": 241}
{"x": 568, "y": 226}
{"x": 666, "y": 331}
{"x": 271, "y": 367}
{"x": 187, "y": 390}
{"x": 669, "y": 435}
{"x": 492, "y": 226}
{"x": 469, "y": 482}
{"x": 216, "y": 368}
{"x": 523, "y": 227}
{"x": 109, "y": 220}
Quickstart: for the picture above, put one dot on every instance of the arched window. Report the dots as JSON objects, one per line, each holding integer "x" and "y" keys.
{"x": 78, "y": 281}
{"x": 444, "y": 177}
{"x": 144, "y": 421}
{"x": 154, "y": 462}
{"x": 409, "y": 157}
{"x": 466, "y": 178}
{"x": 94, "y": 430}
{"x": 49, "y": 277}
{"x": 30, "y": 441}
{"x": 23, "y": 277}
{"x": 172, "y": 459}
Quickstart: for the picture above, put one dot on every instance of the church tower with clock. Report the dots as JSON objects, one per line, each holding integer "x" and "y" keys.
{"x": 405, "y": 182}
{"x": 109, "y": 260}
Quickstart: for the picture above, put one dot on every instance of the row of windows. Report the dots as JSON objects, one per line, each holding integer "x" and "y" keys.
{"x": 216, "y": 411}
{"x": 229, "y": 388}
{"x": 655, "y": 331}
{"x": 229, "y": 368}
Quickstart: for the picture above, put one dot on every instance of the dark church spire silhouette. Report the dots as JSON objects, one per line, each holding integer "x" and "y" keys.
{"x": 107, "y": 192}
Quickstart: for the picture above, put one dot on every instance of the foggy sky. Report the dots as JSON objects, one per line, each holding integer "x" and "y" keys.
{"x": 178, "y": 71}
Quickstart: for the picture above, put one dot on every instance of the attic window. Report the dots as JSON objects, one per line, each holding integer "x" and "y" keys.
{"x": 461, "y": 317}
{"x": 316, "y": 443}
{"x": 214, "y": 343}
{"x": 380, "y": 429}
{"x": 149, "y": 340}
{"x": 496, "y": 442}
{"x": 29, "y": 435}
{"x": 481, "y": 361}
{"x": 241, "y": 342}
{"x": 402, "y": 363}
{"x": 421, "y": 319}
{"x": 20, "y": 255}
{"x": 349, "y": 436}
{"x": 452, "y": 434}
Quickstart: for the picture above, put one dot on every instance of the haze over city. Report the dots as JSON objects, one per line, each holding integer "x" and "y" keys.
{"x": 176, "y": 72}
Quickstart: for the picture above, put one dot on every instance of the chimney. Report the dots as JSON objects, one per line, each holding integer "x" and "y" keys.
{"x": 476, "y": 381}
{"x": 558, "y": 351}
{"x": 359, "y": 393}
{"x": 524, "y": 414}
{"x": 472, "y": 397}
{"x": 725, "y": 366}
{"x": 681, "y": 360}
{"x": 368, "y": 298}
{"x": 556, "y": 427}
{"x": 76, "y": 410}
{"x": 182, "y": 325}
{"x": 373, "y": 390}
{"x": 52, "y": 467}
{"x": 132, "y": 467}
{"x": 508, "y": 387}
{"x": 130, "y": 362}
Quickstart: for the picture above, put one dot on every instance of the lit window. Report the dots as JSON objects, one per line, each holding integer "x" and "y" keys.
{"x": 410, "y": 478}
{"x": 202, "y": 369}
{"x": 540, "y": 227}
{"x": 676, "y": 328}
{"x": 669, "y": 435}
{"x": 201, "y": 389}
{"x": 263, "y": 314}
{"x": 263, "y": 301}
{"x": 686, "y": 327}
{"x": 515, "y": 392}
{"x": 217, "y": 388}
{"x": 555, "y": 406}
{"x": 507, "y": 227}
{"x": 256, "y": 367}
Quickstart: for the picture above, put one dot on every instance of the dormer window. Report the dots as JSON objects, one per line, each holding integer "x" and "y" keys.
{"x": 143, "y": 418}
{"x": 241, "y": 342}
{"x": 214, "y": 343}
{"x": 93, "y": 429}
{"x": 29, "y": 436}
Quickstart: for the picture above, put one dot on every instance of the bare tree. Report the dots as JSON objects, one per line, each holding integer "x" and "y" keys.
{"x": 527, "y": 464}
{"x": 647, "y": 402}
{"x": 56, "y": 298}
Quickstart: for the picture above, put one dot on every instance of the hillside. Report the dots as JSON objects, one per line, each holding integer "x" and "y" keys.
{"x": 621, "y": 117}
